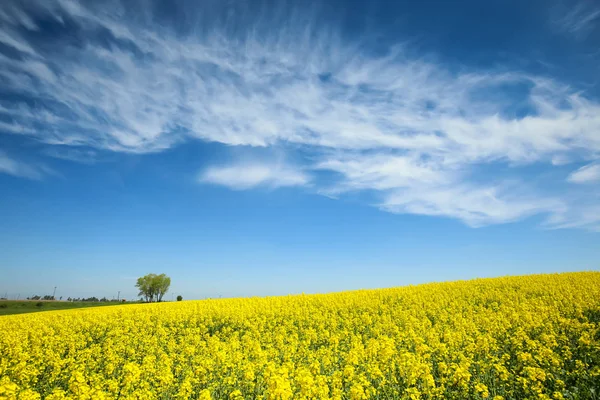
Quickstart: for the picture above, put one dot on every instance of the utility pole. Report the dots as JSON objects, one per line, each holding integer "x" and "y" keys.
{"x": 54, "y": 293}
{"x": 119, "y": 296}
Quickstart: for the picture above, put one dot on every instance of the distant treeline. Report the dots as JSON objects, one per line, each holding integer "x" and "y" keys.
{"x": 50, "y": 298}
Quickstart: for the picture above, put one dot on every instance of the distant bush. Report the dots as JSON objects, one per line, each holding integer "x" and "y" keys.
{"x": 179, "y": 298}
{"x": 39, "y": 304}
{"x": 3, "y": 306}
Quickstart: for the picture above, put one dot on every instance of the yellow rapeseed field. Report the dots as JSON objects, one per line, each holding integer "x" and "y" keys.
{"x": 535, "y": 337}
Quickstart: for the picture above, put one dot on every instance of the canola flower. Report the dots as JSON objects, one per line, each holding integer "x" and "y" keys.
{"x": 531, "y": 337}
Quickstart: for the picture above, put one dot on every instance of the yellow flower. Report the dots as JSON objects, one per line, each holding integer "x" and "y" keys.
{"x": 357, "y": 392}
{"x": 482, "y": 390}
{"x": 513, "y": 337}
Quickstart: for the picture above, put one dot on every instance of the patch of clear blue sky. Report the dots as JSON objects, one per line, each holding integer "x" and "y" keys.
{"x": 92, "y": 231}
{"x": 92, "y": 228}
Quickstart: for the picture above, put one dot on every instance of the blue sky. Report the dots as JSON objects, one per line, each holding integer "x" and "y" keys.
{"x": 269, "y": 147}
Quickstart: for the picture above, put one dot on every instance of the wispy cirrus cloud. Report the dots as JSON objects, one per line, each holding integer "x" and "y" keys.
{"x": 15, "y": 167}
{"x": 78, "y": 155}
{"x": 587, "y": 174}
{"x": 475, "y": 205}
{"x": 409, "y": 130}
{"x": 578, "y": 18}
{"x": 250, "y": 175}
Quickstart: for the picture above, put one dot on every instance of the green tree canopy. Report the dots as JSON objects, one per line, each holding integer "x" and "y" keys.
{"x": 153, "y": 287}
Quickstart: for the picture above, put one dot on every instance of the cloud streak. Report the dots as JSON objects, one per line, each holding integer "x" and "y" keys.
{"x": 406, "y": 129}
{"x": 246, "y": 176}
{"x": 578, "y": 18}
{"x": 14, "y": 167}
{"x": 587, "y": 174}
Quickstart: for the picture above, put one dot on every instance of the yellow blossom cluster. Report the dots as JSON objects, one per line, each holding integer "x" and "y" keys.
{"x": 535, "y": 337}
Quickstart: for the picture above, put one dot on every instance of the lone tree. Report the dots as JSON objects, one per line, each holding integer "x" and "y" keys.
{"x": 153, "y": 287}
{"x": 179, "y": 298}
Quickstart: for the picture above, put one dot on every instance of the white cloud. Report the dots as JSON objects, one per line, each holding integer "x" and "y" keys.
{"x": 260, "y": 91}
{"x": 578, "y": 18}
{"x": 246, "y": 176}
{"x": 21, "y": 169}
{"x": 587, "y": 174}
{"x": 560, "y": 160}
{"x": 428, "y": 187}
{"x": 9, "y": 40}
{"x": 409, "y": 130}
{"x": 83, "y": 156}
{"x": 17, "y": 17}
{"x": 476, "y": 206}
{"x": 385, "y": 172}
{"x": 586, "y": 215}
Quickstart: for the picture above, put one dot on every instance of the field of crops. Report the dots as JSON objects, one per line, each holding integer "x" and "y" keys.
{"x": 532, "y": 337}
